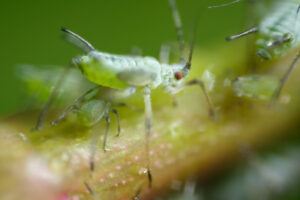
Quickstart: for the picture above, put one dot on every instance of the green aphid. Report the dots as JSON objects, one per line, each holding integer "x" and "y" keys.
{"x": 256, "y": 87}
{"x": 122, "y": 72}
{"x": 276, "y": 35}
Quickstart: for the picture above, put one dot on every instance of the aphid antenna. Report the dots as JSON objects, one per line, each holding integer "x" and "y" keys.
{"x": 89, "y": 188}
{"x": 296, "y": 18}
{"x": 137, "y": 195}
{"x": 298, "y": 10}
{"x": 179, "y": 29}
{"x": 75, "y": 106}
{"x": 285, "y": 78}
{"x": 188, "y": 64}
{"x": 84, "y": 44}
{"x": 250, "y": 31}
{"x": 224, "y": 5}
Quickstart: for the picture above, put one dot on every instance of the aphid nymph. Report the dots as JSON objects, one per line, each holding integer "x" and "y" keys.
{"x": 121, "y": 71}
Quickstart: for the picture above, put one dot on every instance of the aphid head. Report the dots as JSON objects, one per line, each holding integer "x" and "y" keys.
{"x": 181, "y": 70}
{"x": 173, "y": 76}
{"x": 273, "y": 46}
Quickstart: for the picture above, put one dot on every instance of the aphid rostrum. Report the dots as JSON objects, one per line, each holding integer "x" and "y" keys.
{"x": 276, "y": 35}
{"x": 120, "y": 72}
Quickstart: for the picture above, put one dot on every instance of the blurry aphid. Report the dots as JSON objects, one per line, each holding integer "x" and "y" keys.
{"x": 257, "y": 87}
{"x": 90, "y": 108}
{"x": 94, "y": 105}
{"x": 224, "y": 5}
{"x": 121, "y": 72}
{"x": 277, "y": 34}
{"x": 38, "y": 83}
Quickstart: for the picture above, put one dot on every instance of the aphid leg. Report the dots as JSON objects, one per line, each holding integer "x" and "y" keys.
{"x": 64, "y": 114}
{"x": 233, "y": 37}
{"x": 77, "y": 104}
{"x": 51, "y": 99}
{"x": 178, "y": 26}
{"x": 296, "y": 19}
{"x": 129, "y": 106}
{"x": 297, "y": 13}
{"x": 224, "y": 5}
{"x": 107, "y": 119}
{"x": 285, "y": 77}
{"x": 91, "y": 191}
{"x": 148, "y": 122}
{"x": 94, "y": 144}
{"x": 164, "y": 54}
{"x": 114, "y": 111}
{"x": 211, "y": 109}
{"x": 137, "y": 195}
{"x": 89, "y": 188}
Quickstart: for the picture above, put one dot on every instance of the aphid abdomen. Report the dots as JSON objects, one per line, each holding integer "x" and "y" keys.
{"x": 115, "y": 95}
{"x": 99, "y": 72}
{"x": 259, "y": 87}
{"x": 92, "y": 112}
{"x": 278, "y": 31}
{"x": 116, "y": 71}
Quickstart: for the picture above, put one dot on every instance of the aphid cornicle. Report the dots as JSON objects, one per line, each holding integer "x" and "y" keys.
{"x": 120, "y": 72}
{"x": 276, "y": 35}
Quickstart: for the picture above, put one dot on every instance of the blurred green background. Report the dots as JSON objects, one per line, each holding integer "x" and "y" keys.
{"x": 30, "y": 32}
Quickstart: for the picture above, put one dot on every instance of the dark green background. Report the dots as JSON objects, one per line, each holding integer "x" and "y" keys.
{"x": 30, "y": 31}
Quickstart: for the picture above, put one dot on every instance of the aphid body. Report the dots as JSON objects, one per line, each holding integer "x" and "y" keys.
{"x": 255, "y": 87}
{"x": 278, "y": 32}
{"x": 126, "y": 73}
{"x": 117, "y": 71}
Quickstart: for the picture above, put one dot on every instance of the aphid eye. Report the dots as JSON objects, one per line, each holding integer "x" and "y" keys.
{"x": 178, "y": 76}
